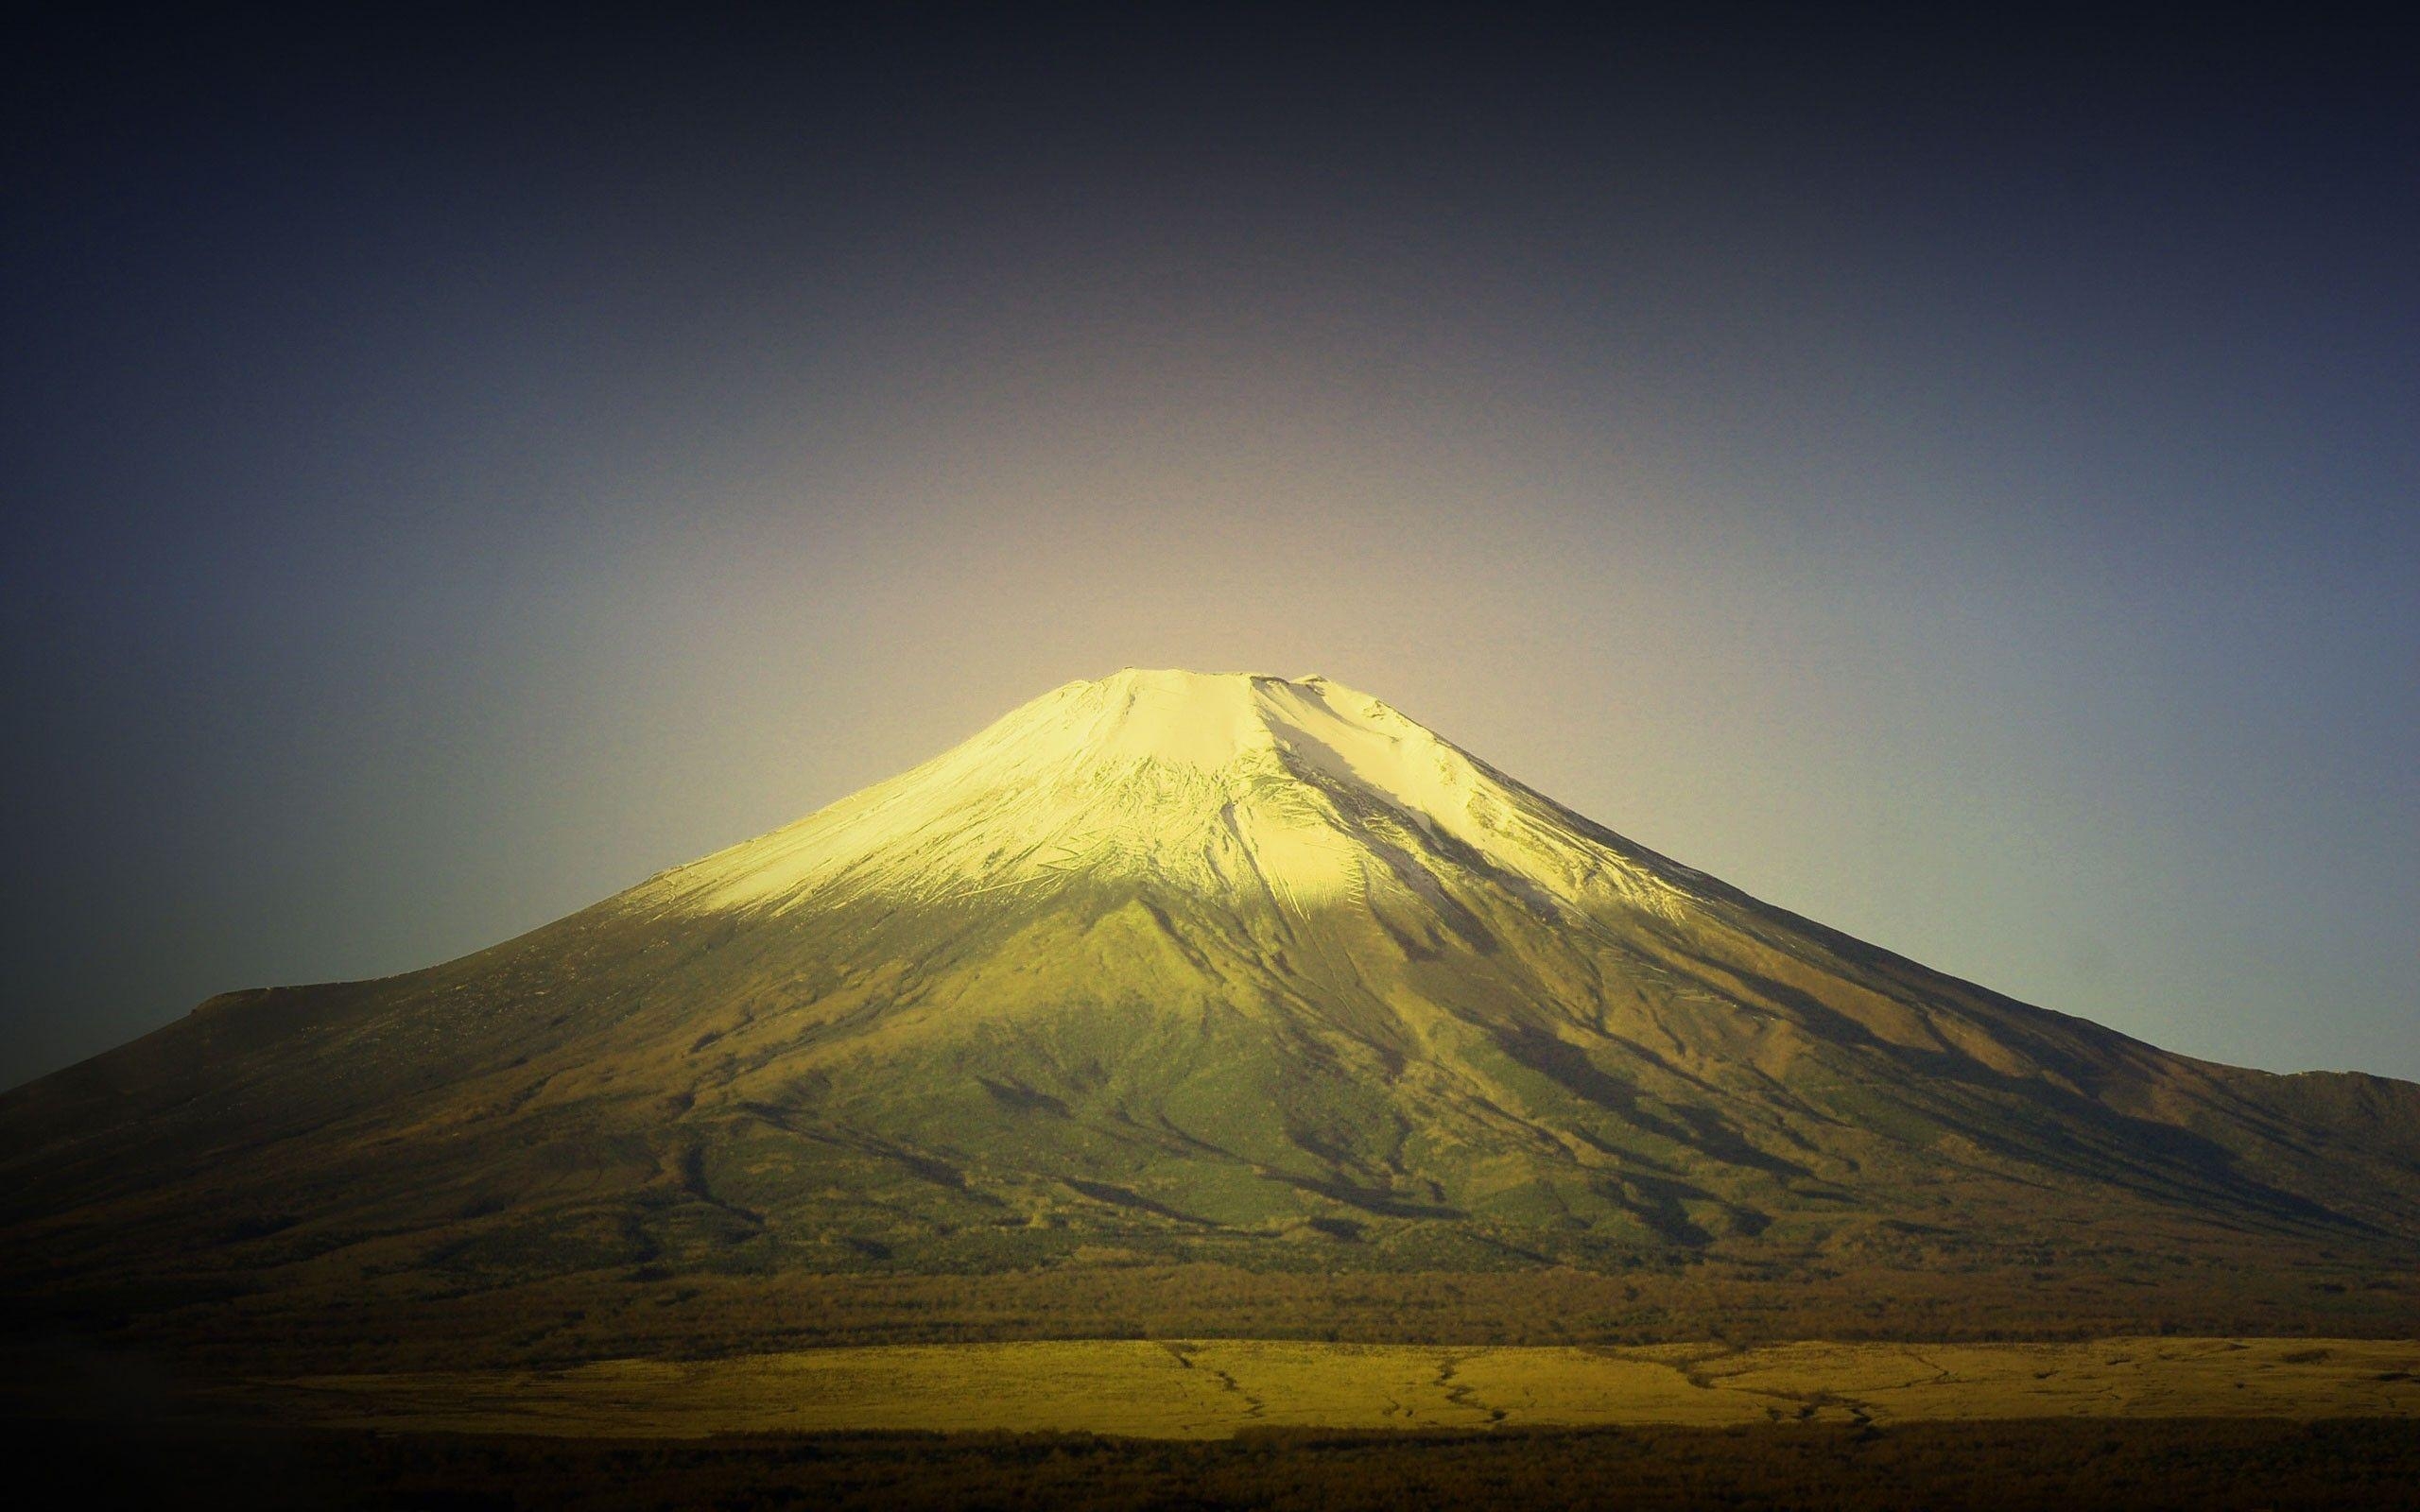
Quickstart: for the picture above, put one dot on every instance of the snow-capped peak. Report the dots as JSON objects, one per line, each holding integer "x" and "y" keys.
{"x": 1216, "y": 782}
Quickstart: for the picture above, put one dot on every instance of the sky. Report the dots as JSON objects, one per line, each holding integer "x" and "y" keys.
{"x": 1957, "y": 479}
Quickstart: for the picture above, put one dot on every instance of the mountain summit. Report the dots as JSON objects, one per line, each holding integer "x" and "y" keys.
{"x": 1223, "y": 966}
{"x": 1231, "y": 788}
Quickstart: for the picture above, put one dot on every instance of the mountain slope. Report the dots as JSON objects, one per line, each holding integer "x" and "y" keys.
{"x": 1215, "y": 966}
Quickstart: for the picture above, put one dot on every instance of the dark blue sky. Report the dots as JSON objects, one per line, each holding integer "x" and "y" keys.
{"x": 1954, "y": 478}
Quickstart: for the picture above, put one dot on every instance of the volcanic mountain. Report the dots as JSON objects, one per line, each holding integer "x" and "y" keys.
{"x": 1163, "y": 964}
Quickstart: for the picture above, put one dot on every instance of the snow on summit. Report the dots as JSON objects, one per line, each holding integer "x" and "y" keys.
{"x": 1215, "y": 782}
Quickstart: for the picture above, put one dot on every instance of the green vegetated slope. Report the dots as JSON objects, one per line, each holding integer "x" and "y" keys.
{"x": 1168, "y": 967}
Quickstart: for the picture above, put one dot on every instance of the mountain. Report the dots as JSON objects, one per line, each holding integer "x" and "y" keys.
{"x": 1209, "y": 966}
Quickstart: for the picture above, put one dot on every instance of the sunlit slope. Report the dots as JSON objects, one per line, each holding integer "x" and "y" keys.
{"x": 1225, "y": 965}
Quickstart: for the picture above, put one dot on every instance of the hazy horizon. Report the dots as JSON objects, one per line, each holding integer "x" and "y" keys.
{"x": 1955, "y": 481}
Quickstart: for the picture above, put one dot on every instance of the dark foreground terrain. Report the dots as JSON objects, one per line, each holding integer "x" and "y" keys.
{"x": 2199, "y": 1464}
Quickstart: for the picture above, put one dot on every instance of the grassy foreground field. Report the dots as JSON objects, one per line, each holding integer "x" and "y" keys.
{"x": 2133, "y": 1422}
{"x": 1218, "y": 1388}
